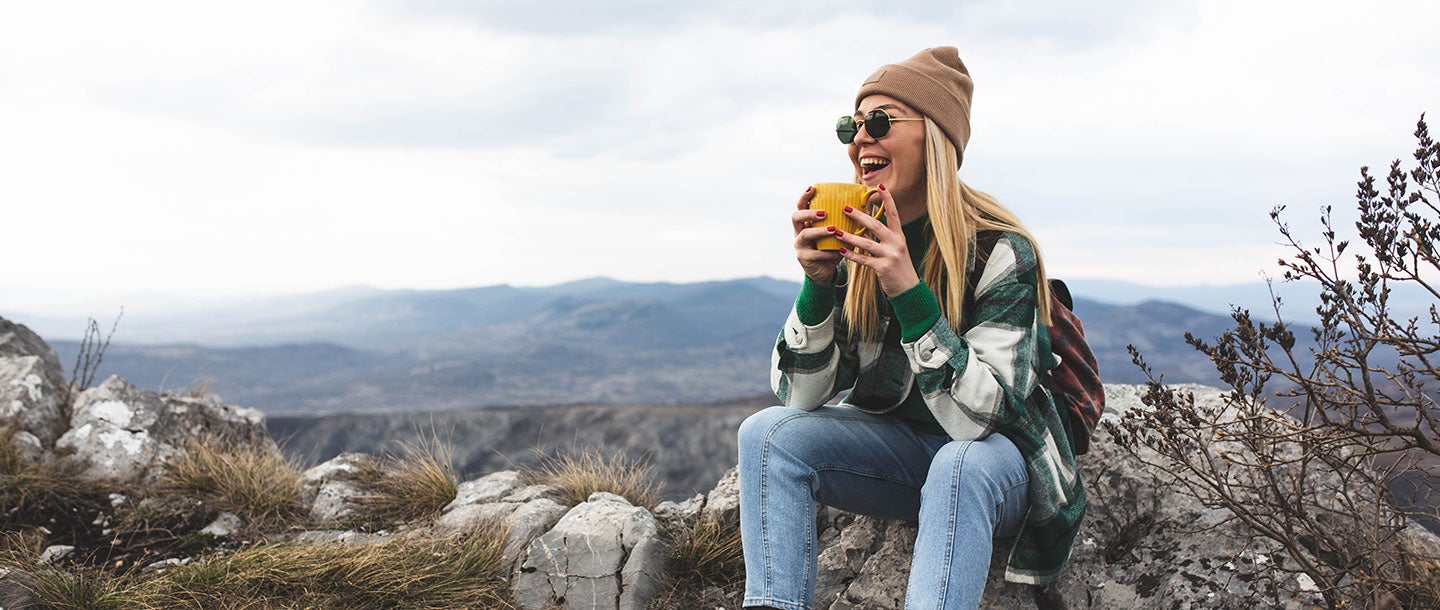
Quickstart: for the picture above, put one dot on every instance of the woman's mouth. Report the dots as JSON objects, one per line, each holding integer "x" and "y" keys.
{"x": 869, "y": 166}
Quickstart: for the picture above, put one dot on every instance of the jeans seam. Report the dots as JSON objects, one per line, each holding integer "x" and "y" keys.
{"x": 867, "y": 473}
{"x": 951, "y": 515}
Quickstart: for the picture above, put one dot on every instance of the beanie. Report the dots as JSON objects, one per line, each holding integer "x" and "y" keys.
{"x": 935, "y": 83}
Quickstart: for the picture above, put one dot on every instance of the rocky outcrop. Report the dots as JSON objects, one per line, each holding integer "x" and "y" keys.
{"x": 124, "y": 433}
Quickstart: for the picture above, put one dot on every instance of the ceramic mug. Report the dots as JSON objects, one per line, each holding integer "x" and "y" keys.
{"x": 833, "y": 197}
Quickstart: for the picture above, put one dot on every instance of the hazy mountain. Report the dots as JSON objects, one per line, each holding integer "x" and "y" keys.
{"x": 594, "y": 341}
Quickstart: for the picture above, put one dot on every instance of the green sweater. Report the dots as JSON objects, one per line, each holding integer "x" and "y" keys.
{"x": 982, "y": 379}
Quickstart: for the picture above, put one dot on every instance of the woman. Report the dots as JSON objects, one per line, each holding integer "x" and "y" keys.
{"x": 934, "y": 319}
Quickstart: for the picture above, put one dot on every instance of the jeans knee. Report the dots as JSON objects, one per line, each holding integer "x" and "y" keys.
{"x": 757, "y": 428}
{"x": 975, "y": 469}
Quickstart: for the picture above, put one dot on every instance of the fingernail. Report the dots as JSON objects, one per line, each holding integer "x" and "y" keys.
{"x": 839, "y": 233}
{"x": 820, "y": 213}
{"x": 830, "y": 229}
{"x": 844, "y": 251}
{"x": 882, "y": 186}
{"x": 809, "y": 188}
{"x": 849, "y": 209}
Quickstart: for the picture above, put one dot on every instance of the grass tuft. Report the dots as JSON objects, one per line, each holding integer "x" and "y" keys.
{"x": 256, "y": 483}
{"x": 412, "y": 572}
{"x": 707, "y": 553}
{"x": 415, "y": 485}
{"x": 591, "y": 470}
{"x": 88, "y": 589}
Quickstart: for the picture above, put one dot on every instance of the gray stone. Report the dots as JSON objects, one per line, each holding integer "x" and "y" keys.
{"x": 124, "y": 433}
{"x": 17, "y": 341}
{"x": 723, "y": 502}
{"x": 486, "y": 489}
{"x": 56, "y": 552}
{"x": 340, "y": 537}
{"x": 593, "y": 558}
{"x": 30, "y": 398}
{"x": 333, "y": 488}
{"x": 224, "y": 526}
{"x": 16, "y": 588}
{"x": 531, "y": 492}
{"x": 676, "y": 514}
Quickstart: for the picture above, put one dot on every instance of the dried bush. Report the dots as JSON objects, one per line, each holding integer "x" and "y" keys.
{"x": 255, "y": 482}
{"x": 1313, "y": 486}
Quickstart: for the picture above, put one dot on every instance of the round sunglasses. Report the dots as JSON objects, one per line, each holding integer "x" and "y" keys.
{"x": 876, "y": 123}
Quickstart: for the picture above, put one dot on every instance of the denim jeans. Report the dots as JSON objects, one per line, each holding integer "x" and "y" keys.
{"x": 962, "y": 493}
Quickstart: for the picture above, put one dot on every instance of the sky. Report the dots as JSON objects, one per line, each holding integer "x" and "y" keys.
{"x": 155, "y": 153}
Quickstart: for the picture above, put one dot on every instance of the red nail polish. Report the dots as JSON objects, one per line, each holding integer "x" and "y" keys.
{"x": 849, "y": 209}
{"x": 882, "y": 186}
{"x": 820, "y": 213}
{"x": 844, "y": 251}
{"x": 830, "y": 229}
{"x": 809, "y": 188}
{"x": 839, "y": 233}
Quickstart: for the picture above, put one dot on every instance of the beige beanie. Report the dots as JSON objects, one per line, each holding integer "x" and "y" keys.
{"x": 933, "y": 82}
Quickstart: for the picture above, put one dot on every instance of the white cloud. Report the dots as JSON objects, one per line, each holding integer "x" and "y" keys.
{"x": 204, "y": 149}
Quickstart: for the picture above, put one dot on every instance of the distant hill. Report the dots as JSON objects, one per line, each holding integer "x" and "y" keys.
{"x": 595, "y": 341}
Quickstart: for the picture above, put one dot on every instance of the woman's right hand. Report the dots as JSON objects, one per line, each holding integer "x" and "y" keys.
{"x": 810, "y": 225}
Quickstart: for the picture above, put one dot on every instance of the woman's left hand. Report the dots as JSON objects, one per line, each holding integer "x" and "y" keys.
{"x": 883, "y": 246}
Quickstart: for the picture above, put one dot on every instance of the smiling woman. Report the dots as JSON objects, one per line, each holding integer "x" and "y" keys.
{"x": 935, "y": 321}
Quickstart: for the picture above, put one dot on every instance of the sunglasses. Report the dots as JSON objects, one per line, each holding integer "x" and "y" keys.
{"x": 876, "y": 123}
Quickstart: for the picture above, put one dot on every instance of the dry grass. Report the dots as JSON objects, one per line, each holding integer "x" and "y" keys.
{"x": 84, "y": 590}
{"x": 591, "y": 470}
{"x": 409, "y": 573}
{"x": 707, "y": 554}
{"x": 45, "y": 494}
{"x": 412, "y": 573}
{"x": 412, "y": 486}
{"x": 258, "y": 484}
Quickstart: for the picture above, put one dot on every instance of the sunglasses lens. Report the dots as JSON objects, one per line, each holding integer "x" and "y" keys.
{"x": 845, "y": 129}
{"x": 877, "y": 123}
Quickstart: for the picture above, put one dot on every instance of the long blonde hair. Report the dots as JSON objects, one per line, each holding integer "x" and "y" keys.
{"x": 956, "y": 213}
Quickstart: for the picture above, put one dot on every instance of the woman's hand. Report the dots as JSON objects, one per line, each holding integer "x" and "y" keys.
{"x": 819, "y": 265}
{"x": 883, "y": 247}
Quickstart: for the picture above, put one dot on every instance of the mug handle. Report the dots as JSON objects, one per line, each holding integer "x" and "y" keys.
{"x": 878, "y": 212}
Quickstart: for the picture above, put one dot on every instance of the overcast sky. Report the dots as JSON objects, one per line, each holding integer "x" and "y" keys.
{"x": 206, "y": 150}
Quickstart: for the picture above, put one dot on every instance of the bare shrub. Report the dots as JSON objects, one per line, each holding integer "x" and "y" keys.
{"x": 257, "y": 483}
{"x": 1313, "y": 489}
{"x": 87, "y": 362}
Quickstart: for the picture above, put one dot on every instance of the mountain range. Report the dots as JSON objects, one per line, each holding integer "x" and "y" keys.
{"x": 595, "y": 341}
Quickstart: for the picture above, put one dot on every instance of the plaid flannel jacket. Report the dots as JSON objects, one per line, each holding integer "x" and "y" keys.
{"x": 983, "y": 380}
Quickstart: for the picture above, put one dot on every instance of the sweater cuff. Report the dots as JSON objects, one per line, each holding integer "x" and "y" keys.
{"x": 917, "y": 311}
{"x": 815, "y": 302}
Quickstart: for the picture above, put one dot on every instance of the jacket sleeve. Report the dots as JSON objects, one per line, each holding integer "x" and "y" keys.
{"x": 812, "y": 362}
{"x": 979, "y": 382}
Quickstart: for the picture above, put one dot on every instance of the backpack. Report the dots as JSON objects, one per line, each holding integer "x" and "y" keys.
{"x": 1075, "y": 383}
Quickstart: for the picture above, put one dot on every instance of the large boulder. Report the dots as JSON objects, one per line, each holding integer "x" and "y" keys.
{"x": 604, "y": 553}
{"x": 31, "y": 389}
{"x": 120, "y": 432}
{"x": 526, "y": 510}
{"x": 334, "y": 490}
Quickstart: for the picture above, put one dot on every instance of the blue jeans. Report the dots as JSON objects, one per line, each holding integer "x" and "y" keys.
{"x": 962, "y": 493}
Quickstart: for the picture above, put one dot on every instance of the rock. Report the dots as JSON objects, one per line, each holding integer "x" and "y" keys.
{"x": 16, "y": 588}
{"x": 489, "y": 488}
{"x": 18, "y": 341}
{"x": 524, "y": 520}
{"x": 30, "y": 399}
{"x": 333, "y": 488}
{"x": 55, "y": 553}
{"x": 676, "y": 514}
{"x": 604, "y": 553}
{"x": 340, "y": 537}
{"x": 123, "y": 433}
{"x": 723, "y": 502}
{"x": 224, "y": 526}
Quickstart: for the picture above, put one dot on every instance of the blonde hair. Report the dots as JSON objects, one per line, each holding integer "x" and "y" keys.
{"x": 956, "y": 213}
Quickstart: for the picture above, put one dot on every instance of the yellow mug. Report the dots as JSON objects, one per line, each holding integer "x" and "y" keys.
{"x": 833, "y": 197}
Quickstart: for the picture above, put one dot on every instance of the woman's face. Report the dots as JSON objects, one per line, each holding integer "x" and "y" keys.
{"x": 896, "y": 160}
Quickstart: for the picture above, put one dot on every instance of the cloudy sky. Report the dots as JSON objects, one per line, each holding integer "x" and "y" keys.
{"x": 205, "y": 150}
